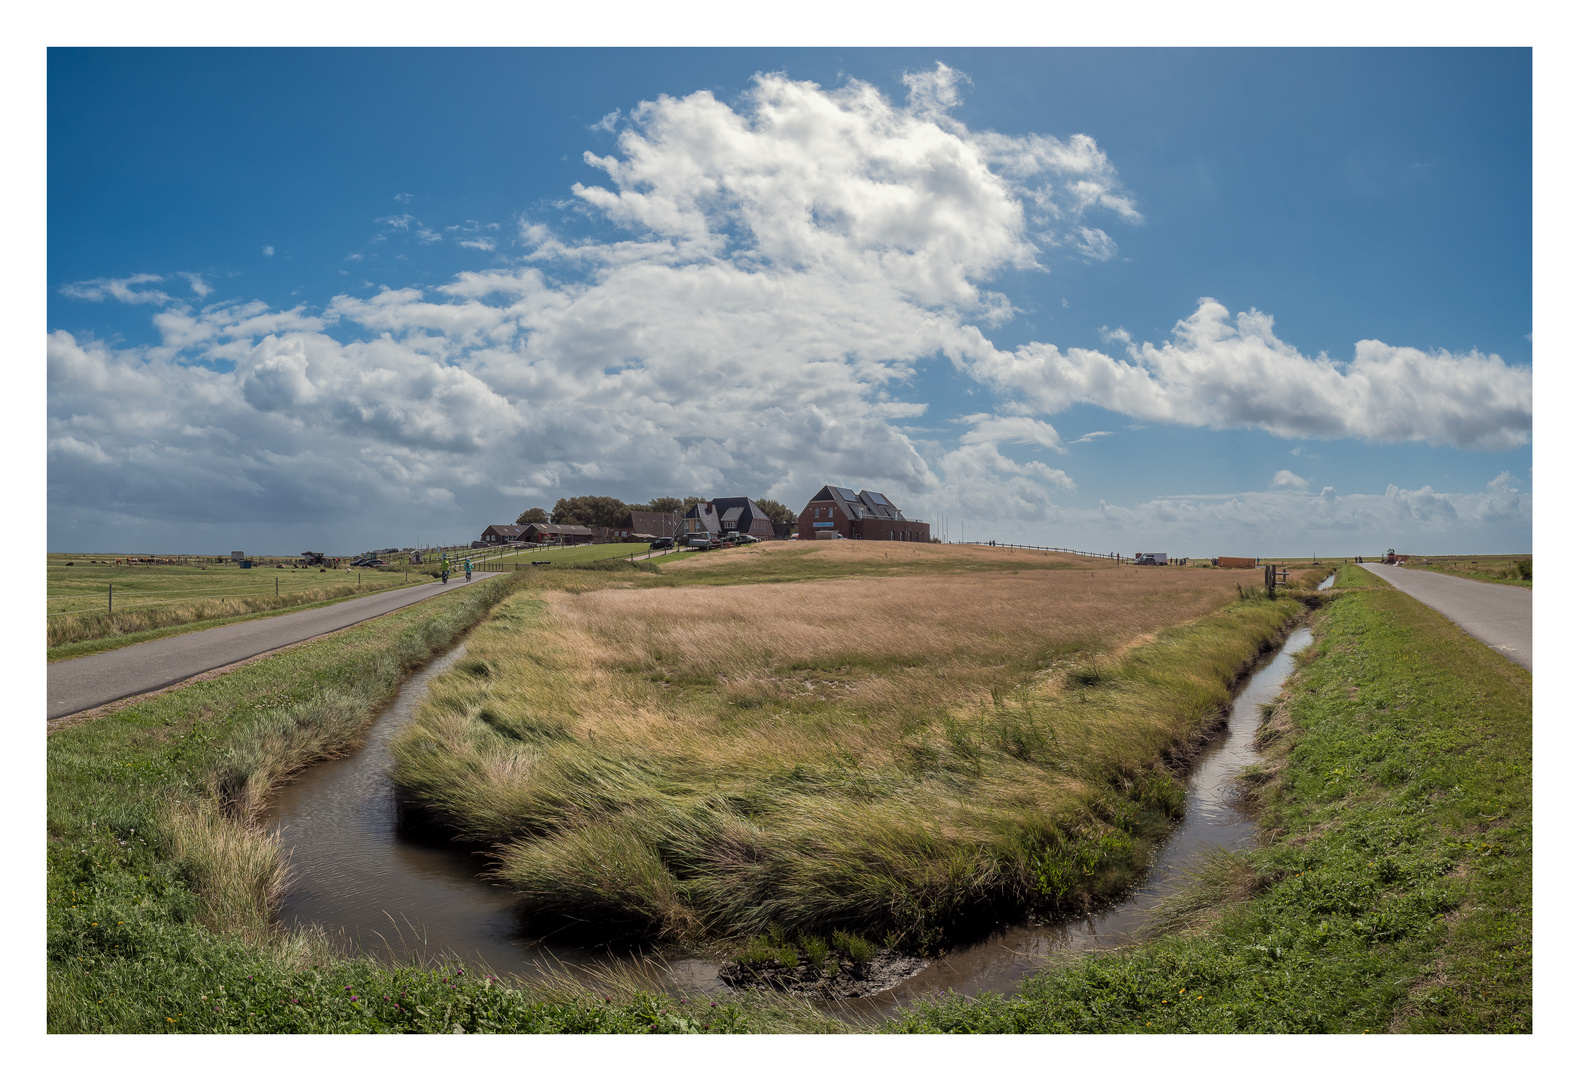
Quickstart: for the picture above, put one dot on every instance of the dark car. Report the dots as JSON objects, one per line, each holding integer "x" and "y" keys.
{"x": 660, "y": 543}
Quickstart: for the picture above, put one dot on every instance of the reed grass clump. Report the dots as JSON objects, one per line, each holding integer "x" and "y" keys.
{"x": 694, "y": 762}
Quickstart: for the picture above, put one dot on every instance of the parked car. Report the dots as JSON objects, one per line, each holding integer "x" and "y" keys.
{"x": 661, "y": 543}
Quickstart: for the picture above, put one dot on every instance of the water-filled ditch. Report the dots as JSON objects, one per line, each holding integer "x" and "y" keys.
{"x": 390, "y": 895}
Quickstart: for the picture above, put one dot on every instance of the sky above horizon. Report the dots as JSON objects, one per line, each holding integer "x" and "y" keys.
{"x": 1209, "y": 302}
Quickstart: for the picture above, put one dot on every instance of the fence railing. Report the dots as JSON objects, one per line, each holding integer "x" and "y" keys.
{"x": 1113, "y": 555}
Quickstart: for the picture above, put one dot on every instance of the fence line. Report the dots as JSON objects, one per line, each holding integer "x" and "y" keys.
{"x": 182, "y": 599}
{"x": 1035, "y": 547}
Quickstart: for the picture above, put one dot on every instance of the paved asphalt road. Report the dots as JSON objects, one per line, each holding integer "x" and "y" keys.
{"x": 90, "y": 681}
{"x": 1496, "y": 614}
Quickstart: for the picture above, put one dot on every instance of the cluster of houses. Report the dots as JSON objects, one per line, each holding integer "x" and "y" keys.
{"x": 834, "y": 513}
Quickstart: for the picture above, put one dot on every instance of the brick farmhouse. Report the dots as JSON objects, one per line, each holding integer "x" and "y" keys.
{"x": 862, "y": 515}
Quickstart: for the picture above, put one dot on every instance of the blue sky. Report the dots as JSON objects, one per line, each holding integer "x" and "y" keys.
{"x": 1204, "y": 301}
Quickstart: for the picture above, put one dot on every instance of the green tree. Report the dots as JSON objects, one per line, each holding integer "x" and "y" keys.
{"x": 667, "y": 504}
{"x": 776, "y": 511}
{"x": 534, "y": 516}
{"x": 589, "y": 510}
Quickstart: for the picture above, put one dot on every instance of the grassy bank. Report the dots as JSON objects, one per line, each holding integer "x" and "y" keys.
{"x": 572, "y": 555}
{"x": 892, "y": 740}
{"x": 157, "y": 601}
{"x": 159, "y": 887}
{"x": 1393, "y": 888}
{"x": 1498, "y": 569}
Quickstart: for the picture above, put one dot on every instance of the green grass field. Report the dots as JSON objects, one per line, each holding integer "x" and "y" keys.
{"x": 152, "y": 601}
{"x": 1498, "y": 569}
{"x": 572, "y": 555}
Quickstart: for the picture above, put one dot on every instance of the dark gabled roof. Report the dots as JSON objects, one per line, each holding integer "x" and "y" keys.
{"x": 504, "y": 530}
{"x": 653, "y": 522}
{"x": 561, "y": 530}
{"x": 735, "y": 512}
{"x": 859, "y": 505}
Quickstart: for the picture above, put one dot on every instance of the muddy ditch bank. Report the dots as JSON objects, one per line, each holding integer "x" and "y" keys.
{"x": 387, "y": 892}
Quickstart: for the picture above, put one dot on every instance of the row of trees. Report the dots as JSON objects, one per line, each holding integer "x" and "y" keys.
{"x": 608, "y": 512}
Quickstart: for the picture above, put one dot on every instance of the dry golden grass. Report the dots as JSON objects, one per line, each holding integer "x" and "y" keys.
{"x": 238, "y": 869}
{"x": 843, "y": 556}
{"x": 875, "y": 752}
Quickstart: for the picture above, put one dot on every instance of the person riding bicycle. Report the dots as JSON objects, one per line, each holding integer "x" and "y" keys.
{"x": 467, "y": 569}
{"x": 443, "y": 566}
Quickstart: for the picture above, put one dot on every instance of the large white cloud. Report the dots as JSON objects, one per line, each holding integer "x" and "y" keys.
{"x": 746, "y": 316}
{"x": 1225, "y": 373}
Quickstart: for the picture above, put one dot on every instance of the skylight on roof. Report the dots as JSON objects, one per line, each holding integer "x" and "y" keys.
{"x": 850, "y": 496}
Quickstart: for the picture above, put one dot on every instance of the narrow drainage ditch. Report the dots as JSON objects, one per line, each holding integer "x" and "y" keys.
{"x": 389, "y": 895}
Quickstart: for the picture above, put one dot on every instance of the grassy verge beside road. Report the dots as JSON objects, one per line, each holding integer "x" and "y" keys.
{"x": 572, "y": 555}
{"x": 1498, "y": 569}
{"x": 1392, "y": 890}
{"x": 894, "y": 740}
{"x": 153, "y": 601}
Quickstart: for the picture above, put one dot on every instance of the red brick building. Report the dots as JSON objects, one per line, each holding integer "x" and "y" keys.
{"x": 862, "y": 515}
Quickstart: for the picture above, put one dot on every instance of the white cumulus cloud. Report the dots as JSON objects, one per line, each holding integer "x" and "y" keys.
{"x": 1224, "y": 372}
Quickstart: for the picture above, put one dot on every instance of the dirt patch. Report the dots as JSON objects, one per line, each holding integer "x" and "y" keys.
{"x": 845, "y": 980}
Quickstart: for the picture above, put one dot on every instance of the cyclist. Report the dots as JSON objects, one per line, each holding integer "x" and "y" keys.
{"x": 443, "y": 566}
{"x": 467, "y": 569}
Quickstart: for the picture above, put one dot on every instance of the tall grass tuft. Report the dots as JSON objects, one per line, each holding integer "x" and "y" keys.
{"x": 237, "y": 872}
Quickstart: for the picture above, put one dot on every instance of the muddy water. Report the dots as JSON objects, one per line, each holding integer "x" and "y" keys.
{"x": 391, "y": 896}
{"x": 354, "y": 874}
